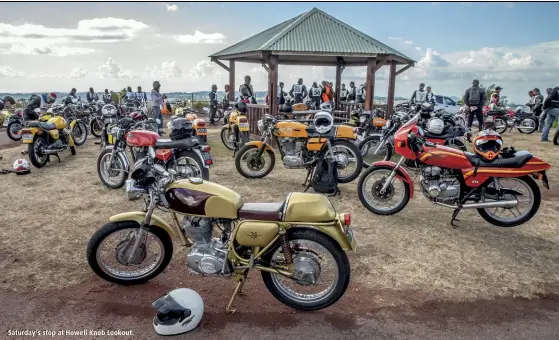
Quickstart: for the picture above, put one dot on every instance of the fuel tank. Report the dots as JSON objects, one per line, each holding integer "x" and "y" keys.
{"x": 445, "y": 157}
{"x": 291, "y": 129}
{"x": 203, "y": 198}
{"x": 58, "y": 121}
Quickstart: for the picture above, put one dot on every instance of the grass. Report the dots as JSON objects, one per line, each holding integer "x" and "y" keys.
{"x": 48, "y": 217}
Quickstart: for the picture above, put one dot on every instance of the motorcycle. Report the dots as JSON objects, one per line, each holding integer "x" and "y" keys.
{"x": 235, "y": 134}
{"x": 185, "y": 156}
{"x": 200, "y": 130}
{"x": 47, "y": 138}
{"x": 15, "y": 124}
{"x": 455, "y": 179}
{"x": 299, "y": 245}
{"x": 367, "y": 123}
{"x": 524, "y": 122}
{"x": 299, "y": 146}
{"x": 79, "y": 128}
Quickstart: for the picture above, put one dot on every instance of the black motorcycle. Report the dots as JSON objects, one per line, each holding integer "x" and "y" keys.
{"x": 524, "y": 122}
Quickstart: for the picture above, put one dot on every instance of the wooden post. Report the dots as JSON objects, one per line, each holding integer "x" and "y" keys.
{"x": 370, "y": 83}
{"x": 273, "y": 84}
{"x": 338, "y": 83}
{"x": 391, "y": 88}
{"x": 232, "y": 88}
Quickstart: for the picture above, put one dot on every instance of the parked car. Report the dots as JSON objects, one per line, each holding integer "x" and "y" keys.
{"x": 446, "y": 103}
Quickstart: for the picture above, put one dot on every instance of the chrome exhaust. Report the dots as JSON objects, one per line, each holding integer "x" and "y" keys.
{"x": 496, "y": 204}
{"x": 53, "y": 152}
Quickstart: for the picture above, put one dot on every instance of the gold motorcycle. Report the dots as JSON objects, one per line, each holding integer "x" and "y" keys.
{"x": 299, "y": 245}
{"x": 47, "y": 139}
{"x": 235, "y": 133}
{"x": 300, "y": 145}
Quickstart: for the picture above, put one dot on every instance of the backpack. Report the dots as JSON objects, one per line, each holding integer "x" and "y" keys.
{"x": 475, "y": 96}
{"x": 325, "y": 178}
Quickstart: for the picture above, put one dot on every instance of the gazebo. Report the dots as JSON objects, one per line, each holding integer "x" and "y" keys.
{"x": 314, "y": 38}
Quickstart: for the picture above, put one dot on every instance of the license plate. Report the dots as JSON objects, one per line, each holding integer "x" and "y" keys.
{"x": 243, "y": 126}
{"x": 201, "y": 130}
{"x": 27, "y": 137}
{"x": 206, "y": 155}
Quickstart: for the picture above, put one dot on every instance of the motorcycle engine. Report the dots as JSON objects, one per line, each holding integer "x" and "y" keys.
{"x": 439, "y": 185}
{"x": 292, "y": 150}
{"x": 207, "y": 256}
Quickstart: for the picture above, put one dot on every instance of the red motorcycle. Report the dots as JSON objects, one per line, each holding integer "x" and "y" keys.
{"x": 503, "y": 190}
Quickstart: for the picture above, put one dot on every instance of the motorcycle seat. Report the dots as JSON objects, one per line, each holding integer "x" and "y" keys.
{"x": 261, "y": 211}
{"x": 495, "y": 113}
{"x": 185, "y": 143}
{"x": 42, "y": 125}
{"x": 519, "y": 159}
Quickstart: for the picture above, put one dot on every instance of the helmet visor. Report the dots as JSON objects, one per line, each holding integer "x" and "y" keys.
{"x": 169, "y": 312}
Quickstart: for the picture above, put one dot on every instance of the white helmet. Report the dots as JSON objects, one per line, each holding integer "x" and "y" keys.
{"x": 518, "y": 110}
{"x": 109, "y": 110}
{"x": 323, "y": 122}
{"x": 326, "y": 107}
{"x": 435, "y": 126}
{"x": 178, "y": 311}
{"x": 21, "y": 167}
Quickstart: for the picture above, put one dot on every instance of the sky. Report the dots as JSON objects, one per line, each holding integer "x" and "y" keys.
{"x": 57, "y": 46}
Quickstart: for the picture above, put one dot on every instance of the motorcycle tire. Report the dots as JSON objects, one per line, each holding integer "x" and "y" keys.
{"x": 529, "y": 131}
{"x": 118, "y": 162}
{"x": 11, "y": 135}
{"x": 358, "y": 161}
{"x": 502, "y": 129}
{"x": 556, "y": 137}
{"x": 110, "y": 228}
{"x": 225, "y": 132}
{"x": 193, "y": 156}
{"x": 83, "y": 128}
{"x": 245, "y": 149}
{"x": 374, "y": 139}
{"x": 536, "y": 205}
{"x": 33, "y": 157}
{"x": 338, "y": 255}
{"x": 95, "y": 128}
{"x": 361, "y": 189}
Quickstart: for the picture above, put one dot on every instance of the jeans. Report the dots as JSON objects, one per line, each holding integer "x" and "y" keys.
{"x": 552, "y": 115}
{"x": 156, "y": 114}
{"x": 541, "y": 122}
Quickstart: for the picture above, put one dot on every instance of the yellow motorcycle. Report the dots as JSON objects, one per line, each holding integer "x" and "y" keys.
{"x": 235, "y": 133}
{"x": 48, "y": 138}
{"x": 300, "y": 145}
{"x": 299, "y": 244}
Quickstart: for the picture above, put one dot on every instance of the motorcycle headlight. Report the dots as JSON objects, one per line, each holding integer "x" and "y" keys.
{"x": 260, "y": 125}
{"x": 362, "y": 119}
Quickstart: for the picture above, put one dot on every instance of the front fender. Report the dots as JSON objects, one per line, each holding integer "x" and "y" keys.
{"x": 258, "y": 144}
{"x": 400, "y": 173}
{"x": 139, "y": 216}
{"x": 72, "y": 124}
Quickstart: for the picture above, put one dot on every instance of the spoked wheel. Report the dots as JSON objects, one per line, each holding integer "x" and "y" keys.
{"x": 96, "y": 127}
{"x": 528, "y": 125}
{"x": 109, "y": 250}
{"x": 522, "y": 189}
{"x": 14, "y": 130}
{"x": 228, "y": 138}
{"x": 349, "y": 159}
{"x": 321, "y": 267}
{"x": 113, "y": 175}
{"x": 368, "y": 147}
{"x": 392, "y": 200}
{"x": 250, "y": 165}
{"x": 79, "y": 132}
{"x": 556, "y": 137}
{"x": 500, "y": 125}
{"x": 189, "y": 164}
{"x": 36, "y": 152}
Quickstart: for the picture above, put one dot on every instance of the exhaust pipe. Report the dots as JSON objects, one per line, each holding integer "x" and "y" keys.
{"x": 496, "y": 204}
{"x": 53, "y": 152}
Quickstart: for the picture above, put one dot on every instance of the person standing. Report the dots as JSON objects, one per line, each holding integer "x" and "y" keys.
{"x": 343, "y": 93}
{"x": 92, "y": 96}
{"x": 360, "y": 94}
{"x": 213, "y": 104}
{"x": 315, "y": 94}
{"x": 281, "y": 94}
{"x": 298, "y": 91}
{"x": 543, "y": 116}
{"x": 552, "y": 111}
{"x": 352, "y": 92}
{"x": 156, "y": 105}
{"x": 474, "y": 96}
{"x": 107, "y": 97}
{"x": 225, "y": 101}
{"x": 130, "y": 97}
{"x": 419, "y": 96}
{"x": 141, "y": 96}
{"x": 537, "y": 101}
{"x": 247, "y": 92}
{"x": 430, "y": 97}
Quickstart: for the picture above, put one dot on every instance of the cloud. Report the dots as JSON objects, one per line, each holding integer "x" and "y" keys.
{"x": 432, "y": 59}
{"x": 395, "y": 38}
{"x": 509, "y": 4}
{"x": 408, "y": 42}
{"x": 202, "y": 38}
{"x": 78, "y": 72}
{"x": 38, "y": 49}
{"x": 172, "y": 8}
{"x": 6, "y": 71}
{"x": 90, "y": 30}
{"x": 112, "y": 69}
{"x": 206, "y": 69}
{"x": 166, "y": 70}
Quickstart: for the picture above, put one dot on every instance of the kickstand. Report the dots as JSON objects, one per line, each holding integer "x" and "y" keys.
{"x": 57, "y": 157}
{"x": 241, "y": 279}
{"x": 307, "y": 184}
{"x": 454, "y": 214}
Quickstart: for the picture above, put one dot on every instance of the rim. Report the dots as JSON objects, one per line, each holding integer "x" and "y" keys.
{"x": 188, "y": 167}
{"x": 527, "y": 125}
{"x": 96, "y": 128}
{"x": 392, "y": 198}
{"x": 525, "y": 201}
{"x": 347, "y": 160}
{"x": 79, "y": 133}
{"x": 228, "y": 138}
{"x": 40, "y": 145}
{"x": 15, "y": 129}
{"x": 252, "y": 166}
{"x": 313, "y": 255}
{"x": 106, "y": 255}
{"x": 108, "y": 173}
{"x": 500, "y": 124}
{"x": 368, "y": 149}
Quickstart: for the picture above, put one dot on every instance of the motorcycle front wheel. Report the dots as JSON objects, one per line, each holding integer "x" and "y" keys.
{"x": 249, "y": 165}
{"x": 556, "y": 137}
{"x": 500, "y": 125}
{"x": 528, "y": 126}
{"x": 393, "y": 200}
{"x": 96, "y": 127}
{"x": 323, "y": 267}
{"x": 367, "y": 148}
{"x": 113, "y": 175}
{"x": 227, "y": 138}
{"x": 350, "y": 161}
{"x": 14, "y": 130}
{"x": 108, "y": 258}
{"x": 79, "y": 132}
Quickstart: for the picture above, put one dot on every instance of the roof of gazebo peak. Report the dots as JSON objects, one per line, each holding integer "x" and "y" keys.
{"x": 314, "y": 37}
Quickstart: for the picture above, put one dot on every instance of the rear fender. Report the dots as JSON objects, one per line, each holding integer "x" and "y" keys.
{"x": 72, "y": 124}
{"x": 30, "y": 131}
{"x": 139, "y": 216}
{"x": 400, "y": 173}
{"x": 258, "y": 144}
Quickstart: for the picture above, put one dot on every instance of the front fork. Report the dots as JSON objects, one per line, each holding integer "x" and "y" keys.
{"x": 391, "y": 176}
{"x": 142, "y": 233}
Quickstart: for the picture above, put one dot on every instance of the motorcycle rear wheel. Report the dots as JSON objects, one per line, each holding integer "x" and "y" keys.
{"x": 250, "y": 151}
{"x": 528, "y": 130}
{"x": 341, "y": 144}
{"x": 369, "y": 145}
{"x": 93, "y": 255}
{"x": 500, "y": 125}
{"x": 14, "y": 130}
{"x": 79, "y": 129}
{"x": 33, "y": 151}
{"x": 310, "y": 301}
{"x": 556, "y": 137}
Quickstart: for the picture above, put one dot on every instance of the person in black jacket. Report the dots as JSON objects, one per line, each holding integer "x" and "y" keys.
{"x": 107, "y": 97}
{"x": 92, "y": 96}
{"x": 551, "y": 108}
{"x": 213, "y": 104}
{"x": 475, "y": 96}
{"x": 298, "y": 91}
{"x": 71, "y": 96}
